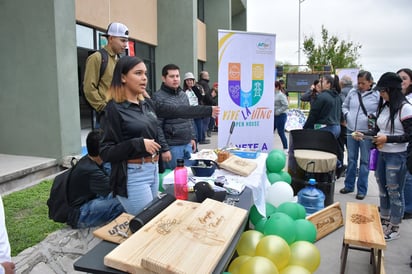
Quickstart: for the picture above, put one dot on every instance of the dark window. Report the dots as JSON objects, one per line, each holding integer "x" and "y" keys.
{"x": 147, "y": 53}
{"x": 200, "y": 67}
{"x": 201, "y": 10}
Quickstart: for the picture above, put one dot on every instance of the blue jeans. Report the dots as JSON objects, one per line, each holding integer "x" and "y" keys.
{"x": 280, "y": 121}
{"x": 390, "y": 176}
{"x": 206, "y": 121}
{"x": 354, "y": 147}
{"x": 99, "y": 211}
{"x": 142, "y": 186}
{"x": 408, "y": 192}
{"x": 180, "y": 152}
{"x": 335, "y": 129}
{"x": 200, "y": 132}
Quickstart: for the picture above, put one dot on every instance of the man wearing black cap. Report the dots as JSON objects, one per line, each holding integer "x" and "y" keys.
{"x": 95, "y": 86}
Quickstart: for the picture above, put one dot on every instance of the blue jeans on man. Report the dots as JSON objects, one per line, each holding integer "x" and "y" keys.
{"x": 99, "y": 211}
{"x": 180, "y": 152}
{"x": 354, "y": 149}
{"x": 200, "y": 131}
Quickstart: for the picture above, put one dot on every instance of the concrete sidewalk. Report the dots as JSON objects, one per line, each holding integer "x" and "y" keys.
{"x": 58, "y": 252}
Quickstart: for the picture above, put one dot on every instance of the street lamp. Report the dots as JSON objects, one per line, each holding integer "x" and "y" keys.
{"x": 300, "y": 2}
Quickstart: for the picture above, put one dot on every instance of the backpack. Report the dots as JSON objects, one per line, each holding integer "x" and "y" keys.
{"x": 58, "y": 202}
{"x": 103, "y": 66}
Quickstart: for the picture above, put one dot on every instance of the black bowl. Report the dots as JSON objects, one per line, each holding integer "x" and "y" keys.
{"x": 203, "y": 168}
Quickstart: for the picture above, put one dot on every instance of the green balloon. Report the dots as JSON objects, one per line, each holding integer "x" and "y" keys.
{"x": 255, "y": 216}
{"x": 305, "y": 231}
{"x": 270, "y": 209}
{"x": 275, "y": 161}
{"x": 301, "y": 210}
{"x": 282, "y": 225}
{"x": 274, "y": 177}
{"x": 290, "y": 208}
{"x": 285, "y": 177}
{"x": 260, "y": 225}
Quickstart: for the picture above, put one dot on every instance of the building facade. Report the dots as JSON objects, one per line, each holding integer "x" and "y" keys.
{"x": 44, "y": 50}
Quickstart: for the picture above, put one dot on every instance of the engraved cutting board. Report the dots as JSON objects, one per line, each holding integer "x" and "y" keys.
{"x": 327, "y": 220}
{"x": 186, "y": 237}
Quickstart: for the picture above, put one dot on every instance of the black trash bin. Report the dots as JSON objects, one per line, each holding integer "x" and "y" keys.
{"x": 312, "y": 154}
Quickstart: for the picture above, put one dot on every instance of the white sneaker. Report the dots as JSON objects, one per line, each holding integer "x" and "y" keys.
{"x": 385, "y": 224}
{"x": 392, "y": 233}
{"x": 285, "y": 150}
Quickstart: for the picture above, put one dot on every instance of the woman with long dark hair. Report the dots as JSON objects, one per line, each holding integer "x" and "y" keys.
{"x": 393, "y": 138}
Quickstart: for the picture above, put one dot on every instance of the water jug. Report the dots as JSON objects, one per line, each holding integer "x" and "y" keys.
{"x": 311, "y": 198}
{"x": 180, "y": 174}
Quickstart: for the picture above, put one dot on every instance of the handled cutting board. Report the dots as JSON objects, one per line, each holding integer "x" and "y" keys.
{"x": 186, "y": 237}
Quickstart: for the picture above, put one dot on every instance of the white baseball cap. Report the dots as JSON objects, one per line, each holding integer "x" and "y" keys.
{"x": 118, "y": 30}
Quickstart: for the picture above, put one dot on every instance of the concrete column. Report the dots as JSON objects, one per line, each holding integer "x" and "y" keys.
{"x": 39, "y": 108}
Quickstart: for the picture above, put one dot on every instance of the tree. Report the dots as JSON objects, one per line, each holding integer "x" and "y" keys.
{"x": 332, "y": 52}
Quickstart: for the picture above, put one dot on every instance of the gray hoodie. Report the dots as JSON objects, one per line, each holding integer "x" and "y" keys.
{"x": 355, "y": 118}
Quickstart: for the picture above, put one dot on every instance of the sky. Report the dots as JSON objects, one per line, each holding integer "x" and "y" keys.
{"x": 382, "y": 27}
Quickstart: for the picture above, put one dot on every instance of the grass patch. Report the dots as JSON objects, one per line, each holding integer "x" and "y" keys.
{"x": 27, "y": 219}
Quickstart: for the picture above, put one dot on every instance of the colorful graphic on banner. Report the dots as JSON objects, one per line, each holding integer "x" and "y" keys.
{"x": 245, "y": 98}
{"x": 246, "y": 89}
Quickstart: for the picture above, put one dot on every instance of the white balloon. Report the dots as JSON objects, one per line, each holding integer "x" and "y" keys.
{"x": 279, "y": 193}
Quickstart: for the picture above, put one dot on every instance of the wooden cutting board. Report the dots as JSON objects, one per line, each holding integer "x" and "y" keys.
{"x": 186, "y": 237}
{"x": 327, "y": 220}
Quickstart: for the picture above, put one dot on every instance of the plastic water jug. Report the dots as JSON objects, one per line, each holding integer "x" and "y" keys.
{"x": 180, "y": 174}
{"x": 311, "y": 198}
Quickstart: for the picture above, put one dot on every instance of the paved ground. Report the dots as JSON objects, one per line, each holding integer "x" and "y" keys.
{"x": 59, "y": 250}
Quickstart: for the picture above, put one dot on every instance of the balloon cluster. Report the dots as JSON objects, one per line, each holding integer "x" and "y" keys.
{"x": 282, "y": 242}
{"x": 275, "y": 163}
{"x": 277, "y": 250}
{"x": 271, "y": 254}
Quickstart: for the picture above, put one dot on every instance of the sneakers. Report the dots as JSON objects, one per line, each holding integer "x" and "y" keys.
{"x": 345, "y": 191}
{"x": 385, "y": 223}
{"x": 392, "y": 233}
{"x": 360, "y": 196}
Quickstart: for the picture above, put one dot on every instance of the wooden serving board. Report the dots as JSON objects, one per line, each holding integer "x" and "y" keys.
{"x": 186, "y": 237}
{"x": 327, "y": 220}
